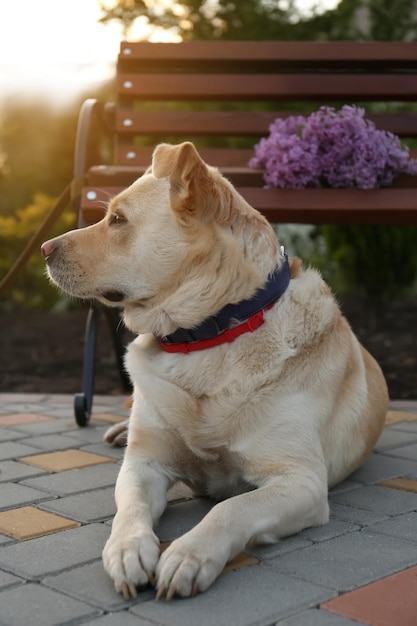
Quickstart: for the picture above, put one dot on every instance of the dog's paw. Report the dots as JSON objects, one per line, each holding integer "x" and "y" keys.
{"x": 130, "y": 560}
{"x": 117, "y": 434}
{"x": 187, "y": 567}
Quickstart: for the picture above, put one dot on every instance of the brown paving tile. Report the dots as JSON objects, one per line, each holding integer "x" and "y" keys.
{"x": 404, "y": 484}
{"x": 391, "y": 601}
{"x": 23, "y": 418}
{"x": 65, "y": 460}
{"x": 395, "y": 417}
{"x": 243, "y": 559}
{"x": 29, "y": 522}
{"x": 105, "y": 417}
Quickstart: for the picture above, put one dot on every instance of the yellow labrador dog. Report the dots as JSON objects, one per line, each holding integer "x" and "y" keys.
{"x": 249, "y": 384}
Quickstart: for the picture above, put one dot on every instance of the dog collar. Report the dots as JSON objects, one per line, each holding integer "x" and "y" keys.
{"x": 233, "y": 320}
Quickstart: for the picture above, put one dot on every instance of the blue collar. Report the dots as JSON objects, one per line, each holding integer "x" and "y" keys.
{"x": 234, "y": 314}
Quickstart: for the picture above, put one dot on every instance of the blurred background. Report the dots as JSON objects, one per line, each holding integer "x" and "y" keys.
{"x": 54, "y": 54}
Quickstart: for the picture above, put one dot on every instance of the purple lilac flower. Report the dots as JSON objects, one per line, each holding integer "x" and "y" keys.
{"x": 331, "y": 149}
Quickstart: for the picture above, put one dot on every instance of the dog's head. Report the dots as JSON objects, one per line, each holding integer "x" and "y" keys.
{"x": 173, "y": 248}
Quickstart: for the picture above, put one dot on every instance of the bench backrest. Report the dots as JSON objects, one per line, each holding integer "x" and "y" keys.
{"x": 206, "y": 91}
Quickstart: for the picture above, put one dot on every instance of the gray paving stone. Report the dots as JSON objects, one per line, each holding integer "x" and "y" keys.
{"x": 105, "y": 449}
{"x": 316, "y": 617}
{"x": 17, "y": 495}
{"x": 54, "y": 553}
{"x": 4, "y": 539}
{"x": 373, "y": 498}
{"x": 349, "y": 561}
{"x": 402, "y": 526}
{"x": 8, "y": 580}
{"x": 408, "y": 427}
{"x": 13, "y": 471}
{"x": 334, "y": 528}
{"x": 283, "y": 546}
{"x": 9, "y": 434}
{"x": 380, "y": 467}
{"x": 391, "y": 438}
{"x": 14, "y": 449}
{"x": 90, "y": 506}
{"x": 361, "y": 517}
{"x": 77, "y": 480}
{"x": 181, "y": 517}
{"x": 257, "y": 594}
{"x": 91, "y": 584}
{"x": 405, "y": 452}
{"x": 93, "y": 434}
{"x": 346, "y": 485}
{"x": 121, "y": 619}
{"x": 52, "y": 442}
{"x": 33, "y": 605}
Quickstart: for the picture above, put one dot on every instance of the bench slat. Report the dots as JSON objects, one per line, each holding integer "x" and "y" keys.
{"x": 310, "y": 206}
{"x": 229, "y": 123}
{"x": 279, "y": 87}
{"x": 303, "y": 54}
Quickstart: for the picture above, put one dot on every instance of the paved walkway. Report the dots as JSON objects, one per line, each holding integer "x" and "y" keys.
{"x": 56, "y": 486}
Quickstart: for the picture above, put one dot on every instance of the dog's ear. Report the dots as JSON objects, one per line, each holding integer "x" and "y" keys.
{"x": 193, "y": 192}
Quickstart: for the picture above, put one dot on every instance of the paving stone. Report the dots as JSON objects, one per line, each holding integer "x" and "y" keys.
{"x": 13, "y": 495}
{"x": 5, "y": 540}
{"x": 13, "y": 449}
{"x": 374, "y": 498}
{"x": 346, "y": 485}
{"x": 94, "y": 434}
{"x": 180, "y": 517}
{"x": 54, "y": 441}
{"x": 390, "y": 601}
{"x": 91, "y": 584}
{"x": 7, "y": 434}
{"x": 23, "y": 418}
{"x": 402, "y": 526}
{"x": 334, "y": 528}
{"x": 120, "y": 619}
{"x": 395, "y": 416}
{"x": 65, "y": 460}
{"x": 404, "y": 484}
{"x": 315, "y": 617}
{"x": 381, "y": 467}
{"x": 41, "y": 607}
{"x": 13, "y": 471}
{"x": 28, "y": 522}
{"x": 349, "y": 561}
{"x": 391, "y": 438}
{"x": 407, "y": 427}
{"x": 361, "y": 517}
{"x": 46, "y": 428}
{"x": 77, "y": 480}
{"x": 283, "y": 546}
{"x": 405, "y": 452}
{"x": 104, "y": 449}
{"x": 108, "y": 417}
{"x": 8, "y": 580}
{"x": 37, "y": 558}
{"x": 90, "y": 506}
{"x": 257, "y": 593}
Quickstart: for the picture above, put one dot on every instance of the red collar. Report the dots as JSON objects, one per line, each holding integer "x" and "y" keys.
{"x": 234, "y": 319}
{"x": 227, "y": 336}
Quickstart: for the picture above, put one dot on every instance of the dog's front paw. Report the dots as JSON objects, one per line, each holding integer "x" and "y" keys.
{"x": 116, "y": 435}
{"x": 130, "y": 560}
{"x": 187, "y": 567}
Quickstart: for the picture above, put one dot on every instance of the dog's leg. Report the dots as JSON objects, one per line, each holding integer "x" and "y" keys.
{"x": 132, "y": 550}
{"x": 282, "y": 506}
{"x": 116, "y": 435}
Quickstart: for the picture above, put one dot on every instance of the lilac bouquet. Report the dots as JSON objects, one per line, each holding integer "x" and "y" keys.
{"x": 331, "y": 149}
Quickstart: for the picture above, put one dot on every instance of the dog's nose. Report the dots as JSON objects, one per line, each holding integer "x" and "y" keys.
{"x": 47, "y": 248}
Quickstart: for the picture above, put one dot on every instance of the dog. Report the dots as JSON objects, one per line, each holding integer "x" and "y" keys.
{"x": 249, "y": 384}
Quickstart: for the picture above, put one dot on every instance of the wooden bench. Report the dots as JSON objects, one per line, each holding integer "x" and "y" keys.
{"x": 205, "y": 91}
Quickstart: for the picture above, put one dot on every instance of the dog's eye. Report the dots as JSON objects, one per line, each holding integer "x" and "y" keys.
{"x": 116, "y": 219}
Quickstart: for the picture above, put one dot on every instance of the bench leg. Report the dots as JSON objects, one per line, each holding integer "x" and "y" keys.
{"x": 83, "y": 402}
